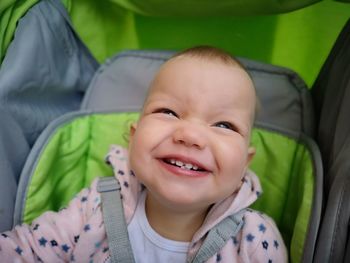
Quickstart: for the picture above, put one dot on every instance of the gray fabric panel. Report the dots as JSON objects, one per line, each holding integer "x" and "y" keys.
{"x": 316, "y": 212}
{"x": 121, "y": 84}
{"x": 333, "y": 235}
{"x": 347, "y": 255}
{"x": 332, "y": 95}
{"x": 46, "y": 69}
{"x": 13, "y": 151}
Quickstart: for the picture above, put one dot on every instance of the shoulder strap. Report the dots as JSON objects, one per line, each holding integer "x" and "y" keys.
{"x": 218, "y": 236}
{"x": 114, "y": 220}
{"x": 116, "y": 229}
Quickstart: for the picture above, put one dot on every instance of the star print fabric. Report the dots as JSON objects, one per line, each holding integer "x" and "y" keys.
{"x": 77, "y": 233}
{"x": 74, "y": 234}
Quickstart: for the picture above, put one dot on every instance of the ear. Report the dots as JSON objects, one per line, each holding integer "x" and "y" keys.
{"x": 251, "y": 154}
{"x": 133, "y": 127}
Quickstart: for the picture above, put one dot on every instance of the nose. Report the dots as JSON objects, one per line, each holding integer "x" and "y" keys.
{"x": 190, "y": 135}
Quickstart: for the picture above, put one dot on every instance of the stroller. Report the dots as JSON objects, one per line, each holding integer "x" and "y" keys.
{"x": 72, "y": 94}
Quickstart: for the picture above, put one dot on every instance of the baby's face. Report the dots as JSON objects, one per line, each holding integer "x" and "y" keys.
{"x": 190, "y": 147}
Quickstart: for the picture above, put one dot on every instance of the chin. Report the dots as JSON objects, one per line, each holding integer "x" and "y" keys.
{"x": 185, "y": 203}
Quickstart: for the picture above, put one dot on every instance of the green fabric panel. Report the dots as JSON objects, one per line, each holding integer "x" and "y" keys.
{"x": 300, "y": 40}
{"x": 4, "y": 4}
{"x": 275, "y": 166}
{"x": 300, "y": 196}
{"x": 212, "y": 7}
{"x": 72, "y": 158}
{"x": 104, "y": 26}
{"x": 10, "y": 12}
{"x": 286, "y": 173}
{"x": 272, "y": 163}
{"x": 304, "y": 38}
{"x": 75, "y": 154}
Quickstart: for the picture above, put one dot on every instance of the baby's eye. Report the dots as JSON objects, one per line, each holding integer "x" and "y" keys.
{"x": 166, "y": 111}
{"x": 225, "y": 125}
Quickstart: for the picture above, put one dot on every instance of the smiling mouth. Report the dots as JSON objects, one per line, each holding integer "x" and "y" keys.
{"x": 184, "y": 165}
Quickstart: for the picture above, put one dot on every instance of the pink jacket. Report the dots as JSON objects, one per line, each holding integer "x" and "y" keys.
{"x": 77, "y": 233}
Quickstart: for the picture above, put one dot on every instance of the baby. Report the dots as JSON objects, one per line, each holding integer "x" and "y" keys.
{"x": 186, "y": 170}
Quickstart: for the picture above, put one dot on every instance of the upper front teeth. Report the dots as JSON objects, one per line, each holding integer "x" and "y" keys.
{"x": 182, "y": 165}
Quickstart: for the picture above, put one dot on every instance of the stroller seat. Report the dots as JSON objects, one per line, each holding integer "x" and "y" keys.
{"x": 70, "y": 151}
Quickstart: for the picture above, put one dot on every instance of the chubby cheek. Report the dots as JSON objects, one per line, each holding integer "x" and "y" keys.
{"x": 232, "y": 162}
{"x": 138, "y": 164}
{"x": 137, "y": 154}
{"x": 142, "y": 143}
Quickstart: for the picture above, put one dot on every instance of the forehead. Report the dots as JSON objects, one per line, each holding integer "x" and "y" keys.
{"x": 202, "y": 78}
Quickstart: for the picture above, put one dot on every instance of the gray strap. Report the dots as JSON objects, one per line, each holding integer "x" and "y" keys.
{"x": 113, "y": 214}
{"x": 218, "y": 237}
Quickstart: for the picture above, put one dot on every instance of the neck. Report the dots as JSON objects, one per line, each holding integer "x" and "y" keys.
{"x": 173, "y": 224}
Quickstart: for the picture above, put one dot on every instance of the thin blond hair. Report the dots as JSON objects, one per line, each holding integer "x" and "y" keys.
{"x": 212, "y": 54}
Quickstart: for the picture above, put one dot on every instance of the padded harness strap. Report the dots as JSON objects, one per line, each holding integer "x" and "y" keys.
{"x": 218, "y": 237}
{"x": 117, "y": 234}
{"x": 113, "y": 214}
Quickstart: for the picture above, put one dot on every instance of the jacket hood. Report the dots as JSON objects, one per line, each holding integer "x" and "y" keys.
{"x": 247, "y": 194}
